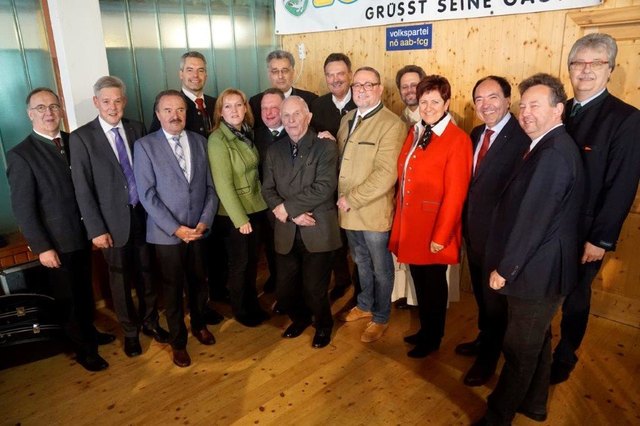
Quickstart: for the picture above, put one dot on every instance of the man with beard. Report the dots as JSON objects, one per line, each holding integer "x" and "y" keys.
{"x": 407, "y": 79}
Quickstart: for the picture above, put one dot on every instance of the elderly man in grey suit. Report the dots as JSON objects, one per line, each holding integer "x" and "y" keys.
{"x": 101, "y": 167}
{"x": 175, "y": 187}
{"x": 300, "y": 179}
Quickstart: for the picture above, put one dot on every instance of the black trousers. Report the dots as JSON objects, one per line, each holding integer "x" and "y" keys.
{"x": 303, "y": 283}
{"x": 524, "y": 380}
{"x": 492, "y": 312}
{"x": 216, "y": 264}
{"x": 130, "y": 266}
{"x": 341, "y": 273}
{"x": 183, "y": 265}
{"x": 242, "y": 266}
{"x": 575, "y": 315}
{"x": 71, "y": 287}
{"x": 265, "y": 238}
{"x": 432, "y": 294}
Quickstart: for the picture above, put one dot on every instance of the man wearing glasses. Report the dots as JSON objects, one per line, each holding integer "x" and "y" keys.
{"x": 45, "y": 208}
{"x": 281, "y": 69}
{"x": 606, "y": 130}
{"x": 370, "y": 138}
{"x": 407, "y": 80}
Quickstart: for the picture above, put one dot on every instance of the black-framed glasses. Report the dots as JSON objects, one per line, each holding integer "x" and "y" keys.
{"x": 43, "y": 108}
{"x": 368, "y": 86}
{"x": 580, "y": 65}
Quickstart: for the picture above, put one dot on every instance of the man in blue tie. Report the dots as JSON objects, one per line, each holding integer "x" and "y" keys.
{"x": 102, "y": 171}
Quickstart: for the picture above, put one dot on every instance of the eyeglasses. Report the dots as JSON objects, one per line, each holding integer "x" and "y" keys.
{"x": 580, "y": 65}
{"x": 366, "y": 86}
{"x": 43, "y": 108}
{"x": 283, "y": 71}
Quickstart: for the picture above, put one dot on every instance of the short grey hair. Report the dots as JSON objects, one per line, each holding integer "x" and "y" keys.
{"x": 109, "y": 81}
{"x": 192, "y": 54}
{"x": 281, "y": 54}
{"x": 596, "y": 41}
{"x": 296, "y": 98}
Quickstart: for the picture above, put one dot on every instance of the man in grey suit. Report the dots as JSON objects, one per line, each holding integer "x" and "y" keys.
{"x": 175, "y": 187}
{"x": 105, "y": 187}
{"x": 299, "y": 183}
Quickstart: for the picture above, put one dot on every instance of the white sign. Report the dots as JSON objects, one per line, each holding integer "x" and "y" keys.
{"x": 306, "y": 16}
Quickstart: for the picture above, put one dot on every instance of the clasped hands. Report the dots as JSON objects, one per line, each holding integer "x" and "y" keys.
{"x": 187, "y": 234}
{"x": 304, "y": 219}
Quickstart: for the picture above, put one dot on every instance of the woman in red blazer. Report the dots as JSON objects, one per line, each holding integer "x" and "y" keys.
{"x": 434, "y": 169}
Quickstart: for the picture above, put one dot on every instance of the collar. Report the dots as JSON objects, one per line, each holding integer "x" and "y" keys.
{"x": 498, "y": 127}
{"x": 106, "y": 127}
{"x": 586, "y": 101}
{"x": 537, "y": 140}
{"x": 411, "y": 116}
{"x": 170, "y": 137}
{"x": 279, "y": 129}
{"x": 341, "y": 104}
{"x": 47, "y": 137}
{"x": 438, "y": 129}
{"x": 191, "y": 96}
{"x": 288, "y": 92}
{"x": 365, "y": 114}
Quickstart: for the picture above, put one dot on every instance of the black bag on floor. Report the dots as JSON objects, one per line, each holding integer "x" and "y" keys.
{"x": 28, "y": 318}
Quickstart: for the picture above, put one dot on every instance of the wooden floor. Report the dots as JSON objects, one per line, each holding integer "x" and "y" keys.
{"x": 253, "y": 376}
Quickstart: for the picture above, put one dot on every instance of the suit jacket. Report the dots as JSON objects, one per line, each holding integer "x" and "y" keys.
{"x": 255, "y": 101}
{"x": 368, "y": 169}
{"x": 234, "y": 168}
{"x": 195, "y": 122}
{"x": 607, "y": 132}
{"x": 307, "y": 184}
{"x": 533, "y": 241}
{"x": 100, "y": 185}
{"x": 169, "y": 199}
{"x": 263, "y": 140}
{"x": 487, "y": 184}
{"x": 42, "y": 196}
{"x": 325, "y": 114}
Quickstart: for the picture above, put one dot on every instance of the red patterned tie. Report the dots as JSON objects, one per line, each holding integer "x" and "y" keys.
{"x": 483, "y": 148}
{"x": 205, "y": 116}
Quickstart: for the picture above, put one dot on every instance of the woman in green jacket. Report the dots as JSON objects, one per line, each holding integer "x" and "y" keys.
{"x": 234, "y": 159}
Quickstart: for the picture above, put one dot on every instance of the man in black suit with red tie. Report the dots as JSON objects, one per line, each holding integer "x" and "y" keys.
{"x": 45, "y": 208}
{"x": 532, "y": 250}
{"x": 499, "y": 145}
{"x": 281, "y": 71}
{"x": 102, "y": 171}
{"x": 607, "y": 132}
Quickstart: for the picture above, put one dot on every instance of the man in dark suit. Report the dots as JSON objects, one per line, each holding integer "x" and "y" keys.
{"x": 45, "y": 208}
{"x": 532, "y": 250}
{"x": 102, "y": 171}
{"x": 280, "y": 66}
{"x": 499, "y": 145}
{"x": 300, "y": 180}
{"x": 607, "y": 133}
{"x": 175, "y": 187}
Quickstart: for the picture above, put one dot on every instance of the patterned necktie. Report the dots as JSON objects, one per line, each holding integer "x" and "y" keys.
{"x": 125, "y": 165}
{"x": 179, "y": 153}
{"x": 58, "y": 142}
{"x": 205, "y": 116}
{"x": 294, "y": 151}
{"x": 483, "y": 148}
{"x": 275, "y": 133}
{"x": 574, "y": 109}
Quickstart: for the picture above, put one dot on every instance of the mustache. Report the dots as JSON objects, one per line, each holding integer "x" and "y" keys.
{"x": 175, "y": 120}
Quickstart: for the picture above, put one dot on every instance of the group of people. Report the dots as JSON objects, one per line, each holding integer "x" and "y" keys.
{"x": 536, "y": 199}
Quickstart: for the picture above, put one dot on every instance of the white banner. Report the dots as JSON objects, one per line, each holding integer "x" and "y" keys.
{"x": 306, "y": 16}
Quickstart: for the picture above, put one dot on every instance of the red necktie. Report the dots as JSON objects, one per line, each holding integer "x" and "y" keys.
{"x": 205, "y": 117}
{"x": 58, "y": 143}
{"x": 483, "y": 148}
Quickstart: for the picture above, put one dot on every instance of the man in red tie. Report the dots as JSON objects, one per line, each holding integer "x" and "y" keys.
{"x": 499, "y": 145}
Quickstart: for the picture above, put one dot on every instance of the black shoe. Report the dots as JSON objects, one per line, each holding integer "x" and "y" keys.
{"x": 204, "y": 336}
{"x": 422, "y": 350}
{"x": 469, "y": 348}
{"x": 249, "y": 320}
{"x": 538, "y": 417}
{"x": 402, "y": 303}
{"x": 295, "y": 329}
{"x": 269, "y": 285}
{"x": 104, "y": 338}
{"x": 338, "y": 291}
{"x": 322, "y": 338}
{"x": 480, "y": 372}
{"x": 212, "y": 317}
{"x": 560, "y": 372}
{"x": 277, "y": 309}
{"x": 158, "y": 333}
{"x": 93, "y": 362}
{"x": 132, "y": 346}
{"x": 181, "y": 358}
{"x": 413, "y": 339}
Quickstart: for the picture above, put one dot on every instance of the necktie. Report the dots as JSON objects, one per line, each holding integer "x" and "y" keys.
{"x": 426, "y": 137}
{"x": 205, "y": 117}
{"x": 483, "y": 148}
{"x": 58, "y": 142}
{"x": 358, "y": 121}
{"x": 294, "y": 151}
{"x": 574, "y": 109}
{"x": 275, "y": 133}
{"x": 179, "y": 153}
{"x": 123, "y": 159}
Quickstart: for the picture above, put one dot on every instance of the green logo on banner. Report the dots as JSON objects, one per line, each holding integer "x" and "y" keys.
{"x": 296, "y": 7}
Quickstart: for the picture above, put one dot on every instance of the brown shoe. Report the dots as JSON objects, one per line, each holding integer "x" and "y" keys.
{"x": 373, "y": 332}
{"x": 204, "y": 336}
{"x": 355, "y": 314}
{"x": 181, "y": 358}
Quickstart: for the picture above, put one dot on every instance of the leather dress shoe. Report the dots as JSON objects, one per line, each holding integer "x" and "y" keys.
{"x": 104, "y": 338}
{"x": 322, "y": 338}
{"x": 538, "y": 417}
{"x": 158, "y": 333}
{"x": 295, "y": 329}
{"x": 277, "y": 309}
{"x": 413, "y": 339}
{"x": 469, "y": 348}
{"x": 92, "y": 362}
{"x": 181, "y": 357}
{"x": 204, "y": 336}
{"x": 560, "y": 372}
{"x": 402, "y": 303}
{"x": 422, "y": 350}
{"x": 212, "y": 317}
{"x": 132, "y": 346}
{"x": 480, "y": 372}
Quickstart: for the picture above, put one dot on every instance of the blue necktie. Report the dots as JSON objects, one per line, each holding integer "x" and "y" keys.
{"x": 123, "y": 158}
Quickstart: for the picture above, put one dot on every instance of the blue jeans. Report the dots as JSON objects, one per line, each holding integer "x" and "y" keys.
{"x": 375, "y": 270}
